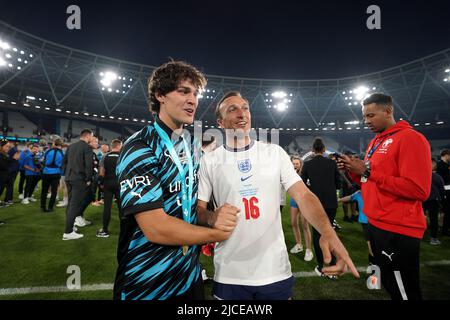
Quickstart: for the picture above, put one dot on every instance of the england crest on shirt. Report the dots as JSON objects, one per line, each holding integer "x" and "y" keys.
{"x": 244, "y": 165}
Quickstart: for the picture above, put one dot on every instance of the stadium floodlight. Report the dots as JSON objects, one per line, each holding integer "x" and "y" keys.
{"x": 281, "y": 106}
{"x": 279, "y": 94}
{"x": 2, "y": 62}
{"x": 360, "y": 92}
{"x": 357, "y": 94}
{"x": 47, "y": 108}
{"x": 427, "y": 123}
{"x": 26, "y": 105}
{"x": 4, "y": 45}
{"x": 58, "y": 110}
{"x": 13, "y": 102}
{"x": 352, "y": 122}
{"x": 8, "y": 56}
{"x": 108, "y": 78}
{"x": 440, "y": 122}
{"x": 279, "y": 99}
{"x": 447, "y": 70}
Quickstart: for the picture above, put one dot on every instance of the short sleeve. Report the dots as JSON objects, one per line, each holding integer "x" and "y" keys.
{"x": 288, "y": 174}
{"x": 140, "y": 190}
{"x": 205, "y": 183}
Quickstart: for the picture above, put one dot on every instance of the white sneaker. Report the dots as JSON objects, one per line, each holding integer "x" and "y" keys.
{"x": 308, "y": 255}
{"x": 62, "y": 204}
{"x": 82, "y": 222}
{"x": 25, "y": 201}
{"x": 72, "y": 236}
{"x": 297, "y": 248}
{"x": 21, "y": 196}
{"x": 31, "y": 199}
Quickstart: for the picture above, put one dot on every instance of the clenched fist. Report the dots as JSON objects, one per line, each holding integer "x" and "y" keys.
{"x": 224, "y": 218}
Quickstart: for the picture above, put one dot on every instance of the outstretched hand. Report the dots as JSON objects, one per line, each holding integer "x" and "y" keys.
{"x": 331, "y": 245}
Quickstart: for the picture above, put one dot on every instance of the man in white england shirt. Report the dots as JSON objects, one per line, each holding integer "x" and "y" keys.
{"x": 253, "y": 263}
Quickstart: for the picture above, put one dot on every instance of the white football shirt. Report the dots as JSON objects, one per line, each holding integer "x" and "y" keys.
{"x": 250, "y": 179}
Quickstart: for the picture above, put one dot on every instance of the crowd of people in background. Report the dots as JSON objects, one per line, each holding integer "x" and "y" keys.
{"x": 78, "y": 174}
{"x": 33, "y": 163}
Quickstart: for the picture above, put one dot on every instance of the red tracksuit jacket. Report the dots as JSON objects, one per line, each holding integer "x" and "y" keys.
{"x": 399, "y": 181}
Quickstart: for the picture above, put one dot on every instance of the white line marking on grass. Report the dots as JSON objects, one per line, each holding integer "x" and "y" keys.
{"x": 109, "y": 286}
{"x": 89, "y": 287}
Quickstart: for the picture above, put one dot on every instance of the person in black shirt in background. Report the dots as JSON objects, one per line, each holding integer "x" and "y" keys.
{"x": 321, "y": 175}
{"x": 443, "y": 167}
{"x": 110, "y": 184}
{"x": 5, "y": 162}
{"x": 80, "y": 221}
{"x": 77, "y": 166}
{"x": 14, "y": 155}
{"x": 433, "y": 204}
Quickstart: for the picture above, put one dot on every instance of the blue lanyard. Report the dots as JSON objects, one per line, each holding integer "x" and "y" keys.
{"x": 186, "y": 198}
{"x": 374, "y": 148}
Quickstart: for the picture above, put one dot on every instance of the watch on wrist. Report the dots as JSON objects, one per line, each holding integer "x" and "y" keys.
{"x": 366, "y": 173}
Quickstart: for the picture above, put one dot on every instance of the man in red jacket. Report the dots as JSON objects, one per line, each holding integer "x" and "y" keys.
{"x": 395, "y": 178}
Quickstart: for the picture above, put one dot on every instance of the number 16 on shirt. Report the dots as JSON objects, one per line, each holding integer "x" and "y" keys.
{"x": 251, "y": 208}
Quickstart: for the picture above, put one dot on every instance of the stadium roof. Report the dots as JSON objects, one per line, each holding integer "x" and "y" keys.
{"x": 71, "y": 80}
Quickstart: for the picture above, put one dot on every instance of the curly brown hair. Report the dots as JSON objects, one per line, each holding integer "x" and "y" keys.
{"x": 168, "y": 77}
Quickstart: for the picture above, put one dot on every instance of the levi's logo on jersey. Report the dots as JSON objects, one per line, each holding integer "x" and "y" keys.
{"x": 133, "y": 182}
{"x": 244, "y": 165}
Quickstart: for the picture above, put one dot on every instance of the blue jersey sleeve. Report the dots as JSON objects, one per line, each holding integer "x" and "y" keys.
{"x": 140, "y": 190}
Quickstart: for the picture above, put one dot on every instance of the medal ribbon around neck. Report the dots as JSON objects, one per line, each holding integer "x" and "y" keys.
{"x": 186, "y": 198}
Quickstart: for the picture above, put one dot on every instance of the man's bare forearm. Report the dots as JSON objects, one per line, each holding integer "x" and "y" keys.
{"x": 204, "y": 216}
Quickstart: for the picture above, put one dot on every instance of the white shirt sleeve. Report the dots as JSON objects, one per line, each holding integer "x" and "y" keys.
{"x": 288, "y": 175}
{"x": 205, "y": 183}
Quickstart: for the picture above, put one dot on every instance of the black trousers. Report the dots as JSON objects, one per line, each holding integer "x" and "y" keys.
{"x": 432, "y": 209}
{"x": 2, "y": 184}
{"x": 90, "y": 196}
{"x": 30, "y": 185}
{"x": 446, "y": 222}
{"x": 397, "y": 256}
{"x": 331, "y": 213}
{"x": 110, "y": 190}
{"x": 52, "y": 181}
{"x": 22, "y": 180}
{"x": 100, "y": 190}
{"x": 10, "y": 185}
{"x": 78, "y": 193}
